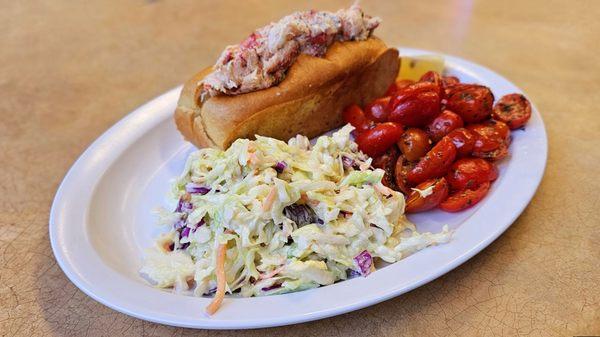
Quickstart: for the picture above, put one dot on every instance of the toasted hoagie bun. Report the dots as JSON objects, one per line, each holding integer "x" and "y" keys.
{"x": 309, "y": 101}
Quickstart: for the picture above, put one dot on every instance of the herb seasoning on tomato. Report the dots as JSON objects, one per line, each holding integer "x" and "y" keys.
{"x": 438, "y": 139}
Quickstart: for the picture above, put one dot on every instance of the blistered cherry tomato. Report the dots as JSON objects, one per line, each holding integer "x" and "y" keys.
{"x": 464, "y": 199}
{"x": 513, "y": 109}
{"x": 434, "y": 77}
{"x": 464, "y": 140}
{"x": 387, "y": 162}
{"x": 469, "y": 173}
{"x": 449, "y": 80}
{"x": 376, "y": 141}
{"x": 472, "y": 102}
{"x": 417, "y": 203}
{"x": 417, "y": 87}
{"x": 494, "y": 155}
{"x": 397, "y": 85}
{"x": 378, "y": 109}
{"x": 354, "y": 115}
{"x": 415, "y": 104}
{"x": 492, "y": 139}
{"x": 391, "y": 90}
{"x": 448, "y": 83}
{"x": 403, "y": 83}
{"x": 414, "y": 144}
{"x": 443, "y": 124}
{"x": 435, "y": 163}
{"x": 403, "y": 166}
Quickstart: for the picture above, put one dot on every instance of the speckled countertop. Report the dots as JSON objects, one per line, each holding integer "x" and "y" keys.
{"x": 69, "y": 70}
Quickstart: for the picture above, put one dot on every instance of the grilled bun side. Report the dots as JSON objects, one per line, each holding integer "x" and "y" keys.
{"x": 187, "y": 113}
{"x": 309, "y": 101}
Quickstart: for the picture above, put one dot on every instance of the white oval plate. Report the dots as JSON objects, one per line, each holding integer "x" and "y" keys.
{"x": 101, "y": 221}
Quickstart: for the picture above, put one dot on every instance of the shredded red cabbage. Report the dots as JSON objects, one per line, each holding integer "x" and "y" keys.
{"x": 184, "y": 206}
{"x": 185, "y": 232}
{"x": 364, "y": 261}
{"x": 280, "y": 166}
{"x": 196, "y": 189}
{"x": 200, "y": 223}
{"x": 351, "y": 273}
{"x": 179, "y": 224}
{"x": 348, "y": 162}
{"x": 275, "y": 286}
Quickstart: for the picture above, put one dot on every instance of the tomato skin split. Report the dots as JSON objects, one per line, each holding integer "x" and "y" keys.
{"x": 469, "y": 173}
{"x": 387, "y": 162}
{"x": 464, "y": 199}
{"x": 434, "y": 77}
{"x": 472, "y": 102}
{"x": 512, "y": 109}
{"x": 414, "y": 144}
{"x": 435, "y": 163}
{"x": 403, "y": 166}
{"x": 492, "y": 139}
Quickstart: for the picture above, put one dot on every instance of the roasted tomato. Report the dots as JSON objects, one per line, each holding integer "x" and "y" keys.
{"x": 434, "y": 77}
{"x": 414, "y": 144}
{"x": 464, "y": 140}
{"x": 378, "y": 109}
{"x": 492, "y": 139}
{"x": 495, "y": 155}
{"x": 443, "y": 124}
{"x": 354, "y": 115}
{"x": 513, "y": 109}
{"x": 398, "y": 84}
{"x": 469, "y": 173}
{"x": 464, "y": 199}
{"x": 374, "y": 142}
{"x": 418, "y": 203}
{"x": 403, "y": 166}
{"x": 435, "y": 163}
{"x": 392, "y": 89}
{"x": 387, "y": 162}
{"x": 415, "y": 105}
{"x": 403, "y": 83}
{"x": 449, "y": 80}
{"x": 472, "y": 102}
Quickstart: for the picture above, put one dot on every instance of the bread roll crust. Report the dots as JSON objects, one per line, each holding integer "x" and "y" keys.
{"x": 309, "y": 101}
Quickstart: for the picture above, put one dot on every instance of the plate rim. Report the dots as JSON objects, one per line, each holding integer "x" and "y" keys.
{"x": 138, "y": 122}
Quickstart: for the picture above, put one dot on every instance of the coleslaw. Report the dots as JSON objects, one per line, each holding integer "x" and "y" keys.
{"x": 267, "y": 217}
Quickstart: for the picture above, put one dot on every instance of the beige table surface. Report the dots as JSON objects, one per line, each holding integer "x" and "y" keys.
{"x": 71, "y": 69}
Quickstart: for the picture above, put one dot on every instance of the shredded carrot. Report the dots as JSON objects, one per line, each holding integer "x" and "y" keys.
{"x": 252, "y": 158}
{"x": 221, "y": 282}
{"x": 270, "y": 199}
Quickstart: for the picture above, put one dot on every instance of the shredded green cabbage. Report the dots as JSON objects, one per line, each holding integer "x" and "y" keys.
{"x": 267, "y": 252}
